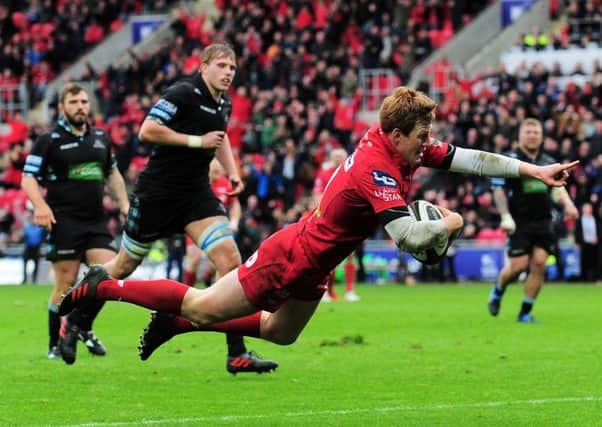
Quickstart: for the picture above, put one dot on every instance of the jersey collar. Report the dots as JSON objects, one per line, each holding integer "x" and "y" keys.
{"x": 64, "y": 124}
{"x": 390, "y": 149}
{"x": 531, "y": 159}
{"x": 200, "y": 84}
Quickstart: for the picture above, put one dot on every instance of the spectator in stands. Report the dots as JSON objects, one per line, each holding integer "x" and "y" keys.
{"x": 525, "y": 206}
{"x": 588, "y": 232}
{"x": 16, "y": 155}
{"x": 176, "y": 248}
{"x": 33, "y": 237}
{"x": 72, "y": 161}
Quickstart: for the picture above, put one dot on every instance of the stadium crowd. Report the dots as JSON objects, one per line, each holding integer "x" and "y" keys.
{"x": 41, "y": 38}
{"x": 297, "y": 94}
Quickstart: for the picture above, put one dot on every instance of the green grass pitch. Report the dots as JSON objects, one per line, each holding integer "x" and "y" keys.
{"x": 421, "y": 356}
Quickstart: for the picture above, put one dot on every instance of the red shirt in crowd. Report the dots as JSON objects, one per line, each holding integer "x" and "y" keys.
{"x": 221, "y": 187}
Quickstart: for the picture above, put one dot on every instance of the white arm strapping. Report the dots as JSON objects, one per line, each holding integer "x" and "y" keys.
{"x": 484, "y": 163}
{"x": 412, "y": 236}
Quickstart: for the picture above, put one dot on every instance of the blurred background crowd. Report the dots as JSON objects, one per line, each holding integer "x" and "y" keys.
{"x": 297, "y": 93}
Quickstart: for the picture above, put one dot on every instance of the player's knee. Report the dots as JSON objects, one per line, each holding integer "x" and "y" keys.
{"x": 227, "y": 260}
{"x": 538, "y": 265}
{"x": 203, "y": 319}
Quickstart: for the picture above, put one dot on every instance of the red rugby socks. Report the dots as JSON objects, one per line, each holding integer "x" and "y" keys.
{"x": 248, "y": 326}
{"x": 349, "y": 276}
{"x": 161, "y": 295}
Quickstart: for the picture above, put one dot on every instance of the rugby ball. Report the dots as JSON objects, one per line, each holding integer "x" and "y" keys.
{"x": 421, "y": 210}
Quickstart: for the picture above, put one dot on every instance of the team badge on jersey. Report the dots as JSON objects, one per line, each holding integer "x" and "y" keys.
{"x": 383, "y": 179}
{"x": 252, "y": 259}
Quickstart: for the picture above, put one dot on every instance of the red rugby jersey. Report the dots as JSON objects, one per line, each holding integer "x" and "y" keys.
{"x": 372, "y": 179}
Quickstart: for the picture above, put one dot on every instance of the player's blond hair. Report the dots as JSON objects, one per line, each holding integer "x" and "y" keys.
{"x": 406, "y": 109}
{"x": 216, "y": 50}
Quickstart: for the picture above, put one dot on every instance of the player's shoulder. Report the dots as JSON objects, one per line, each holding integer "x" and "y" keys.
{"x": 181, "y": 89}
{"x": 378, "y": 172}
{"x": 49, "y": 136}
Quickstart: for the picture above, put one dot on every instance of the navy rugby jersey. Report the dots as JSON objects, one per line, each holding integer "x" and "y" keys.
{"x": 73, "y": 169}
{"x": 186, "y": 107}
{"x": 529, "y": 199}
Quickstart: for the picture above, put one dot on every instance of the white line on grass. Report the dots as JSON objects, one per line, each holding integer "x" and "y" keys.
{"x": 398, "y": 408}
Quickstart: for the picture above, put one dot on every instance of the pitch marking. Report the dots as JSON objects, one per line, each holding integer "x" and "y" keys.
{"x": 398, "y": 408}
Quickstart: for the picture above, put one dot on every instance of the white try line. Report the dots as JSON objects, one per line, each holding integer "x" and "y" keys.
{"x": 398, "y": 408}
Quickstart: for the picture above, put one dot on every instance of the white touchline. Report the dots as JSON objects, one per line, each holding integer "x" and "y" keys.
{"x": 397, "y": 408}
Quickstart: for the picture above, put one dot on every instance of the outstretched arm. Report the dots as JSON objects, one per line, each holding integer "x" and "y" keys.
{"x": 490, "y": 164}
{"x": 554, "y": 175}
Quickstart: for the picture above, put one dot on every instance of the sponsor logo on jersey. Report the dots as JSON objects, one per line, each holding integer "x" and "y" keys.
{"x": 532, "y": 185}
{"x": 98, "y": 144}
{"x": 55, "y": 135}
{"x": 99, "y": 132}
{"x": 89, "y": 171}
{"x": 252, "y": 259}
{"x": 349, "y": 162}
{"x": 34, "y": 160}
{"x": 388, "y": 195}
{"x": 166, "y": 106}
{"x": 159, "y": 114}
{"x": 65, "y": 251}
{"x": 208, "y": 110}
{"x": 69, "y": 146}
{"x": 383, "y": 179}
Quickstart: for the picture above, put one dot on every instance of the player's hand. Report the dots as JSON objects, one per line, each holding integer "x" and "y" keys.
{"x": 507, "y": 224}
{"x": 237, "y": 186}
{"x": 556, "y": 175}
{"x": 444, "y": 211}
{"x": 213, "y": 139}
{"x": 457, "y": 223}
{"x": 43, "y": 216}
{"x": 123, "y": 212}
{"x": 571, "y": 212}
